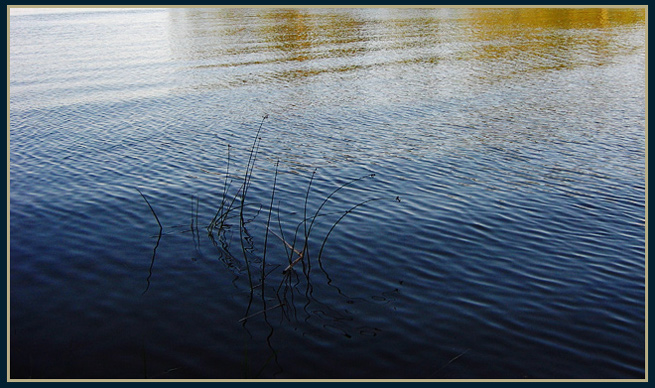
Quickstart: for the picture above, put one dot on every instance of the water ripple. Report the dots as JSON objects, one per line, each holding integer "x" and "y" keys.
{"x": 502, "y": 235}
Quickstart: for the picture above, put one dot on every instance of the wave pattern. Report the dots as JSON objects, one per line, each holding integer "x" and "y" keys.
{"x": 506, "y": 238}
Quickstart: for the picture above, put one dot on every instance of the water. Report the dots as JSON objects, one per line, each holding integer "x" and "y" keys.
{"x": 505, "y": 236}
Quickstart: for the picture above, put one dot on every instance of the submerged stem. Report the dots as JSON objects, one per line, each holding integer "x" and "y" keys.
{"x": 268, "y": 223}
{"x": 320, "y": 252}
{"x": 333, "y": 193}
{"x": 154, "y": 251}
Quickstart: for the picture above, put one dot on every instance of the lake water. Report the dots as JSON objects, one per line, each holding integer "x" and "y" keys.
{"x": 501, "y": 236}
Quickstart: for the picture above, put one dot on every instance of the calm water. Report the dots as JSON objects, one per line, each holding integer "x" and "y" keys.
{"x": 505, "y": 236}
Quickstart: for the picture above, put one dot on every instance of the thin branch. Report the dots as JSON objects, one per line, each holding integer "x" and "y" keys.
{"x": 260, "y": 312}
{"x": 154, "y": 251}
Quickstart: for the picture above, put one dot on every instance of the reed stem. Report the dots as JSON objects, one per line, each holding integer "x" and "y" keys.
{"x": 154, "y": 251}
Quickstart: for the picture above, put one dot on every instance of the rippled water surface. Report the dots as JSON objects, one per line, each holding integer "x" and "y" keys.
{"x": 497, "y": 230}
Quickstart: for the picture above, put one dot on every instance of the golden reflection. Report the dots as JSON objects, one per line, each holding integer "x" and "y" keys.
{"x": 542, "y": 39}
{"x": 305, "y": 35}
{"x": 289, "y": 31}
{"x": 533, "y": 19}
{"x": 264, "y": 45}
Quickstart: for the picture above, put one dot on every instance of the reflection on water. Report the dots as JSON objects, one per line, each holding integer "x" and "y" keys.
{"x": 508, "y": 146}
{"x": 494, "y": 44}
{"x": 525, "y": 38}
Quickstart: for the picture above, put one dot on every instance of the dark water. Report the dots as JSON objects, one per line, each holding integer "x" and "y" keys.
{"x": 505, "y": 236}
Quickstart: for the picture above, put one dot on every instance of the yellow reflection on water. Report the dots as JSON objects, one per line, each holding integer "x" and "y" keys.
{"x": 547, "y": 39}
{"x": 491, "y": 44}
{"x": 556, "y": 18}
{"x": 290, "y": 32}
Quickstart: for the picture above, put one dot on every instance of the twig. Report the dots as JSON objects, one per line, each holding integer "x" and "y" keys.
{"x": 286, "y": 243}
{"x": 450, "y": 362}
{"x": 260, "y": 312}
{"x": 268, "y": 222}
{"x": 300, "y": 254}
{"x": 318, "y": 211}
{"x": 151, "y": 209}
{"x": 254, "y": 150}
{"x": 287, "y": 269}
{"x": 320, "y": 252}
{"x": 154, "y": 251}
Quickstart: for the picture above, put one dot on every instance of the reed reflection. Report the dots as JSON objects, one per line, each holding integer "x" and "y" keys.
{"x": 275, "y": 259}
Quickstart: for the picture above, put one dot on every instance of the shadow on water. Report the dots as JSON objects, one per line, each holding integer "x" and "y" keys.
{"x": 278, "y": 292}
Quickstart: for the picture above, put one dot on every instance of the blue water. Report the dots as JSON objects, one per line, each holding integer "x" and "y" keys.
{"x": 501, "y": 236}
